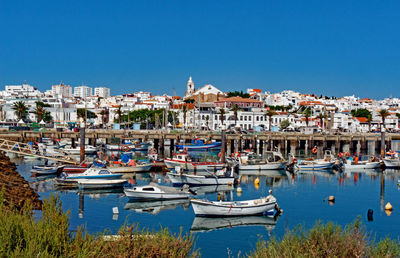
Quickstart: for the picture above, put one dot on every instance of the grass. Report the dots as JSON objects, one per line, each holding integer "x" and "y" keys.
{"x": 22, "y": 235}
{"x": 327, "y": 240}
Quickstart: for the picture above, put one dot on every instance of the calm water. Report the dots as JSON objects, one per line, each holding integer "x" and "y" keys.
{"x": 302, "y": 197}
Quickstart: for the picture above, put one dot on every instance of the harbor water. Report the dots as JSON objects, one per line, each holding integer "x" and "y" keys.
{"x": 302, "y": 196}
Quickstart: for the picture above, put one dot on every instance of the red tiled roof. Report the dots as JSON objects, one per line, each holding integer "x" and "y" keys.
{"x": 238, "y": 99}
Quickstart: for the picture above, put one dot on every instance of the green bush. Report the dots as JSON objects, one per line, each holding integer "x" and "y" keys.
{"x": 22, "y": 235}
{"x": 327, "y": 240}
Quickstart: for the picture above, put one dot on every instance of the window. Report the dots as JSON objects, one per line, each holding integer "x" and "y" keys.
{"x": 245, "y": 118}
{"x": 216, "y": 117}
{"x": 148, "y": 189}
{"x": 241, "y": 118}
{"x": 257, "y": 118}
{"x": 249, "y": 118}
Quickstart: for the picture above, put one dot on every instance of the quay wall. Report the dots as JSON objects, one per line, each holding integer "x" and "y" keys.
{"x": 261, "y": 141}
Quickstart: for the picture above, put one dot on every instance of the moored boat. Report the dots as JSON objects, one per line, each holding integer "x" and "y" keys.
{"x": 130, "y": 168}
{"x": 184, "y": 161}
{"x": 234, "y": 208}
{"x": 94, "y": 173}
{"x": 100, "y": 183}
{"x": 271, "y": 161}
{"x": 199, "y": 145}
{"x": 211, "y": 179}
{"x": 392, "y": 160}
{"x": 366, "y": 164}
{"x": 157, "y": 192}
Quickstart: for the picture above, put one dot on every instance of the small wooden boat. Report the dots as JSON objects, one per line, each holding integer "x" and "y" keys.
{"x": 157, "y": 192}
{"x": 350, "y": 165}
{"x": 130, "y": 169}
{"x": 44, "y": 171}
{"x": 100, "y": 183}
{"x": 184, "y": 161}
{"x": 235, "y": 208}
{"x": 211, "y": 179}
{"x": 271, "y": 161}
{"x": 314, "y": 164}
{"x": 94, "y": 173}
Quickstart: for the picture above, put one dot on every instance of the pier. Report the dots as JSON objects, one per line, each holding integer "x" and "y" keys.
{"x": 259, "y": 142}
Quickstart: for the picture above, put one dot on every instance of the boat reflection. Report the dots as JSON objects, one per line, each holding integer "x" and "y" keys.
{"x": 201, "y": 224}
{"x": 272, "y": 177}
{"x": 155, "y": 207}
{"x": 205, "y": 189}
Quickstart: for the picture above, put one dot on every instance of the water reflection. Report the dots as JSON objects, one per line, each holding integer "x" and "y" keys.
{"x": 208, "y": 224}
{"x": 155, "y": 207}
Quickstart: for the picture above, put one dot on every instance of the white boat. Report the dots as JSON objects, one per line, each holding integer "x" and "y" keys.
{"x": 181, "y": 179}
{"x": 157, "y": 192}
{"x": 235, "y": 208}
{"x": 366, "y": 164}
{"x": 184, "y": 161}
{"x": 76, "y": 151}
{"x": 392, "y": 160}
{"x": 100, "y": 183}
{"x": 44, "y": 171}
{"x": 207, "y": 224}
{"x": 316, "y": 164}
{"x": 155, "y": 207}
{"x": 94, "y": 173}
{"x": 272, "y": 161}
{"x": 130, "y": 169}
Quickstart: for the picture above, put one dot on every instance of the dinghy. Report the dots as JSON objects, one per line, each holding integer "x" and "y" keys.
{"x": 220, "y": 178}
{"x": 234, "y": 208}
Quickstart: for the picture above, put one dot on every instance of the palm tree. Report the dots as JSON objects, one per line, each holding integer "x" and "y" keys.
{"x": 221, "y": 116}
{"x": 20, "y": 109}
{"x": 270, "y": 113}
{"x": 307, "y": 114}
{"x": 383, "y": 113}
{"x": 235, "y": 110}
{"x": 369, "y": 120}
{"x": 184, "y": 110}
{"x": 41, "y": 113}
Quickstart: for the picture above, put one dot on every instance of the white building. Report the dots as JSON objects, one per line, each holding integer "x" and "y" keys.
{"x": 103, "y": 92}
{"x": 61, "y": 90}
{"x": 22, "y": 91}
{"x": 83, "y": 91}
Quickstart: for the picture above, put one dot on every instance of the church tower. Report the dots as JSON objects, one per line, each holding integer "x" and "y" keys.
{"x": 189, "y": 87}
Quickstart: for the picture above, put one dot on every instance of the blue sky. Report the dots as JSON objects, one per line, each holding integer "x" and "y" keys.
{"x": 322, "y": 47}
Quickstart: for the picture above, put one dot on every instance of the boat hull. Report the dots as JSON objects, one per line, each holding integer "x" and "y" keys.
{"x": 131, "y": 169}
{"x": 154, "y": 196}
{"x": 180, "y": 179}
{"x": 368, "y": 165}
{"x": 191, "y": 166}
{"x": 392, "y": 163}
{"x": 98, "y": 184}
{"x": 199, "y": 147}
{"x": 315, "y": 166}
{"x": 267, "y": 166}
{"x": 256, "y": 207}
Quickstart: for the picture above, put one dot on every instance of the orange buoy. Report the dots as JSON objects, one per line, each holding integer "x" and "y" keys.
{"x": 340, "y": 154}
{"x": 315, "y": 150}
{"x": 347, "y": 154}
{"x": 125, "y": 148}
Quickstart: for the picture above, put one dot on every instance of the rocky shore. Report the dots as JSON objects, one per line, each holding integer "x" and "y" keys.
{"x": 15, "y": 188}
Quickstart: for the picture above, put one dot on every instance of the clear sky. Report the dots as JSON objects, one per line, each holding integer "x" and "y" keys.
{"x": 323, "y": 47}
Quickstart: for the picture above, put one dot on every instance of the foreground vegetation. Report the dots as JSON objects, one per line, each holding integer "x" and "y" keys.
{"x": 327, "y": 240}
{"x": 22, "y": 235}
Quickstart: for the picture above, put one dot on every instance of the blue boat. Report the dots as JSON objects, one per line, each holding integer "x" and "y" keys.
{"x": 199, "y": 145}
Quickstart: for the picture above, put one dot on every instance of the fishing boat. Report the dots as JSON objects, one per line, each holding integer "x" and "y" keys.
{"x": 315, "y": 164}
{"x": 199, "y": 145}
{"x": 234, "y": 208}
{"x": 130, "y": 167}
{"x": 271, "y": 161}
{"x": 100, "y": 183}
{"x": 157, "y": 192}
{"x": 208, "y": 224}
{"x": 219, "y": 178}
{"x": 93, "y": 173}
{"x": 392, "y": 160}
{"x": 74, "y": 169}
{"x": 76, "y": 151}
{"x": 359, "y": 165}
{"x": 184, "y": 161}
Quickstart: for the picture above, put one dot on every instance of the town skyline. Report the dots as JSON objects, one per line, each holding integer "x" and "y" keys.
{"x": 316, "y": 47}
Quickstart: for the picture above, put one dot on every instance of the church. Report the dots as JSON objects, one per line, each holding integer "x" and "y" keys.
{"x": 207, "y": 93}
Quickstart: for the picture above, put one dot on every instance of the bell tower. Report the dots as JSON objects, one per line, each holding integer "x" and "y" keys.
{"x": 189, "y": 87}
